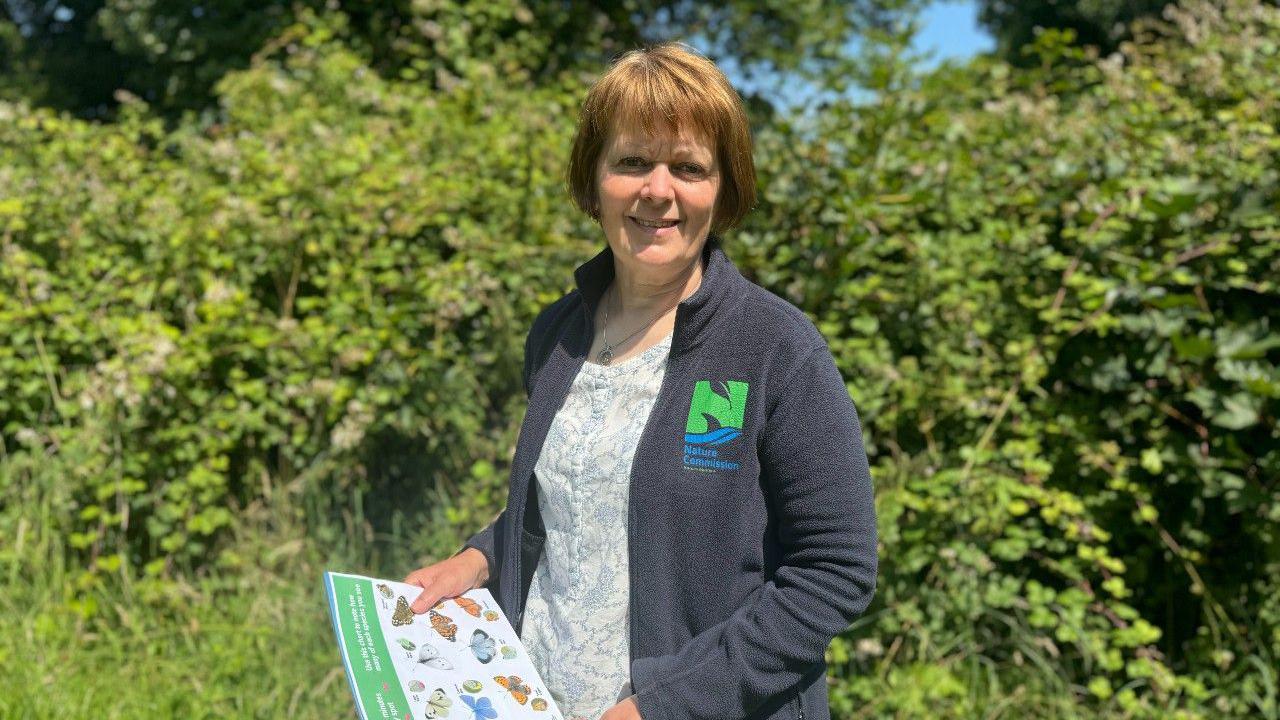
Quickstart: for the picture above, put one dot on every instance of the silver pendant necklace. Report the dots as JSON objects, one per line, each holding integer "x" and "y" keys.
{"x": 605, "y": 356}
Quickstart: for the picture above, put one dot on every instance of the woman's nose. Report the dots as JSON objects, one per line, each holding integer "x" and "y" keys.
{"x": 658, "y": 183}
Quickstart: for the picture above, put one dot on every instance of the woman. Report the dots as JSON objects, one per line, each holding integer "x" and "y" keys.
{"x": 690, "y": 518}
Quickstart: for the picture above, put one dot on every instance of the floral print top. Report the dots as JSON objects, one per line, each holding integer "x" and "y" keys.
{"x": 576, "y": 625}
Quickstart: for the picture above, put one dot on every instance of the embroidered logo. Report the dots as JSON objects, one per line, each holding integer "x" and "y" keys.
{"x": 715, "y": 420}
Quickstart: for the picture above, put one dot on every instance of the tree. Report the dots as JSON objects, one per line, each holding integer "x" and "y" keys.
{"x": 1101, "y": 23}
{"x": 75, "y": 54}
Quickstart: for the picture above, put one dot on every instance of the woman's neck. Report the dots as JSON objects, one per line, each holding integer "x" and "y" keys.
{"x": 646, "y": 296}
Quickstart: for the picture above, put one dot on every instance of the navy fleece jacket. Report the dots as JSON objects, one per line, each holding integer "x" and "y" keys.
{"x": 751, "y": 531}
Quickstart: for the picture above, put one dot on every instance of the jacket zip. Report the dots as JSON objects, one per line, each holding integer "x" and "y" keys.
{"x": 631, "y": 507}
{"x": 519, "y": 599}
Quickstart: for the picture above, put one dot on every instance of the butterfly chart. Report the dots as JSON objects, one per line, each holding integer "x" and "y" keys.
{"x": 460, "y": 660}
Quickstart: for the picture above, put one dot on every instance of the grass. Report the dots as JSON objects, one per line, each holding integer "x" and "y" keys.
{"x": 250, "y": 640}
{"x": 253, "y": 638}
{"x": 258, "y": 645}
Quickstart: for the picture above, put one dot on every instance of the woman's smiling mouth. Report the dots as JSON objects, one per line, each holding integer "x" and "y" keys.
{"x": 653, "y": 224}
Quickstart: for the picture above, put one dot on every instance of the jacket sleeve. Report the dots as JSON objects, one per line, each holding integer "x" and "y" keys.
{"x": 484, "y": 542}
{"x": 815, "y": 468}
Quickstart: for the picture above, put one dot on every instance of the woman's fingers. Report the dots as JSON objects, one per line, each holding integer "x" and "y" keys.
{"x": 426, "y": 599}
{"x": 421, "y": 577}
{"x": 445, "y": 579}
{"x": 424, "y": 578}
{"x": 438, "y": 581}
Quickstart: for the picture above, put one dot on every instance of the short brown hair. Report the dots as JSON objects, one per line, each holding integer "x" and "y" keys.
{"x": 673, "y": 85}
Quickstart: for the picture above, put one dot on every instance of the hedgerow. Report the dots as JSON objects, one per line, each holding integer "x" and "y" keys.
{"x": 1052, "y": 292}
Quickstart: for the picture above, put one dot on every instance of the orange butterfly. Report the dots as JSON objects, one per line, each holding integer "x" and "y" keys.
{"x": 443, "y": 625}
{"x": 515, "y": 686}
{"x": 471, "y": 606}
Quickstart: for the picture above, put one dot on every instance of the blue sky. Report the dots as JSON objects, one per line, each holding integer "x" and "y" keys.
{"x": 950, "y": 30}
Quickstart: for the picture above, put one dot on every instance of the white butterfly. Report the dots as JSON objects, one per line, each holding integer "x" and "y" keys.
{"x": 428, "y": 655}
{"x": 438, "y": 705}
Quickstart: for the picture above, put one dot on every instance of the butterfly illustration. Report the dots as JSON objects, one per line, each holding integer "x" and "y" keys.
{"x": 428, "y": 655}
{"x": 386, "y": 591}
{"x": 403, "y": 615}
{"x": 407, "y": 644}
{"x": 438, "y": 704}
{"x": 416, "y": 686}
{"x": 538, "y": 704}
{"x": 481, "y": 708}
{"x": 482, "y": 646}
{"x": 443, "y": 625}
{"x": 470, "y": 606}
{"x": 515, "y": 686}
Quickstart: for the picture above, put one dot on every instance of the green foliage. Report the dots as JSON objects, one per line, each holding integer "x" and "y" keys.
{"x": 245, "y": 349}
{"x": 1100, "y": 24}
{"x": 75, "y": 54}
{"x": 250, "y": 644}
{"x": 337, "y": 275}
{"x": 1053, "y": 293}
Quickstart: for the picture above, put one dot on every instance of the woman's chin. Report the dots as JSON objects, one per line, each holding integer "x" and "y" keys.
{"x": 664, "y": 248}
{"x": 653, "y": 253}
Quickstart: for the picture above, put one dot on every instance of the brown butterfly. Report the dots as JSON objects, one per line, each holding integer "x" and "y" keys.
{"x": 471, "y": 606}
{"x": 443, "y": 625}
{"x": 515, "y": 686}
{"x": 403, "y": 615}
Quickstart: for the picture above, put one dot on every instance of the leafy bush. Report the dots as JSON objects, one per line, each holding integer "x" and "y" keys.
{"x": 332, "y": 283}
{"x": 1052, "y": 293}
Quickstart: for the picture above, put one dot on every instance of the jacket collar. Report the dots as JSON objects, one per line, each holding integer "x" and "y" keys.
{"x": 720, "y": 288}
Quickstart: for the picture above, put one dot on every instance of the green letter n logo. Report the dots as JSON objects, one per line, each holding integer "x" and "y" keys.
{"x": 726, "y": 410}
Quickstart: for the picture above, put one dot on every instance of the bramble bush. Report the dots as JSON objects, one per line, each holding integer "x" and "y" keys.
{"x": 1052, "y": 292}
{"x": 335, "y": 275}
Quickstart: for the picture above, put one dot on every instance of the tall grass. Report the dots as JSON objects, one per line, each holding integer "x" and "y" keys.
{"x": 251, "y": 638}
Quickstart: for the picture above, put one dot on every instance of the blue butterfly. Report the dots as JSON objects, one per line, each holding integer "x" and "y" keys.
{"x": 481, "y": 709}
{"x": 483, "y": 646}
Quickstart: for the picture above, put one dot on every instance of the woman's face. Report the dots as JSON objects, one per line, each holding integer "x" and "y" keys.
{"x": 657, "y": 198}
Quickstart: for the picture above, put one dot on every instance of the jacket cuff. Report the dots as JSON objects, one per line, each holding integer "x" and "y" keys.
{"x": 483, "y": 541}
{"x": 645, "y": 673}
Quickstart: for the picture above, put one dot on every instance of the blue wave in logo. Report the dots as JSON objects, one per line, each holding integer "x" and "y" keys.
{"x": 715, "y": 437}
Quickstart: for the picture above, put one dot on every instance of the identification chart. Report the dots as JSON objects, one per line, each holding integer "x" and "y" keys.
{"x": 460, "y": 660}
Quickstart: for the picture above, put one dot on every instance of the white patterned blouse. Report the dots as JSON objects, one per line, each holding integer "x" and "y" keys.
{"x": 576, "y": 625}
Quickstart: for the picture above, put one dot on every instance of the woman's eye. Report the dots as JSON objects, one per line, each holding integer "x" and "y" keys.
{"x": 692, "y": 168}
{"x": 632, "y": 162}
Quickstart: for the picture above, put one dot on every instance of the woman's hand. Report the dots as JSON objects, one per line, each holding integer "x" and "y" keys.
{"x": 626, "y": 710}
{"x": 465, "y": 571}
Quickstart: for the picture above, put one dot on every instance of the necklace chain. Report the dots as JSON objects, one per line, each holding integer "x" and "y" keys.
{"x": 605, "y": 356}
